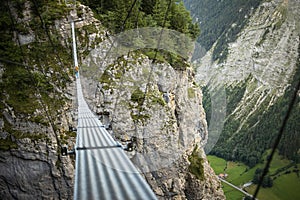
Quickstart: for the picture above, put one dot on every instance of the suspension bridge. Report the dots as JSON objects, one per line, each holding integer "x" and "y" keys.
{"x": 103, "y": 170}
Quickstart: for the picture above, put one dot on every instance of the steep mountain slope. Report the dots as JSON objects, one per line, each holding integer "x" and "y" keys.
{"x": 220, "y": 21}
{"x": 258, "y": 73}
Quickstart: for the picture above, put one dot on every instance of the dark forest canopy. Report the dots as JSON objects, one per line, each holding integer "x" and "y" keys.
{"x": 145, "y": 13}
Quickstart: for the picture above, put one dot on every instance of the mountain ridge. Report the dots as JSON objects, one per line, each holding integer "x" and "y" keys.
{"x": 258, "y": 74}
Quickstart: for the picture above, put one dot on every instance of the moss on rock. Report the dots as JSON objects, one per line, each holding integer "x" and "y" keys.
{"x": 196, "y": 167}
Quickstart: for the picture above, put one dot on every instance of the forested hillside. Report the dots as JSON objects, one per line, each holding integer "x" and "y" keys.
{"x": 247, "y": 143}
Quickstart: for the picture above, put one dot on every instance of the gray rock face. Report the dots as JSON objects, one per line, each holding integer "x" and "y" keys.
{"x": 32, "y": 168}
{"x": 34, "y": 171}
{"x": 266, "y": 49}
{"x": 168, "y": 124}
{"x": 27, "y": 175}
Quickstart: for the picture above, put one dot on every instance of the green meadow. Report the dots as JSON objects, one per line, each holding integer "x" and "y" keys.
{"x": 285, "y": 175}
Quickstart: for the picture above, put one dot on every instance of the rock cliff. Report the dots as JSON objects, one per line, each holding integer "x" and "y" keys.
{"x": 168, "y": 125}
{"x": 36, "y": 109}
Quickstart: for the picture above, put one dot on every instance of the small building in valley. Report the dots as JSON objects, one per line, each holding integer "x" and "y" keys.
{"x": 223, "y": 176}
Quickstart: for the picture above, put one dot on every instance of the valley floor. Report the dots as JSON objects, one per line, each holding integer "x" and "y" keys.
{"x": 285, "y": 175}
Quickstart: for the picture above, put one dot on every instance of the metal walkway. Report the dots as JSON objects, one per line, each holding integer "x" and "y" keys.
{"x": 103, "y": 170}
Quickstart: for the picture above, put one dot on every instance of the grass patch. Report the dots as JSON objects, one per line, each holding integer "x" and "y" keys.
{"x": 238, "y": 173}
{"x": 150, "y": 53}
{"x": 156, "y": 97}
{"x": 218, "y": 164}
{"x": 162, "y": 56}
{"x": 140, "y": 117}
{"x": 264, "y": 194}
{"x": 284, "y": 186}
{"x": 231, "y": 193}
{"x": 138, "y": 96}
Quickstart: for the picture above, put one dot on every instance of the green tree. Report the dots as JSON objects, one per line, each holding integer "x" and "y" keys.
{"x": 257, "y": 175}
{"x": 147, "y": 6}
{"x": 267, "y": 181}
{"x": 180, "y": 18}
{"x": 159, "y": 11}
{"x": 145, "y": 13}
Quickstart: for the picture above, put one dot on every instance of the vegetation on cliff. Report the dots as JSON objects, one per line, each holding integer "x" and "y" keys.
{"x": 35, "y": 63}
{"x": 196, "y": 166}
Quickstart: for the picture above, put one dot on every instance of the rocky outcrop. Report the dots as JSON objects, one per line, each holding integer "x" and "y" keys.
{"x": 167, "y": 123}
{"x": 266, "y": 49}
{"x": 30, "y": 161}
{"x": 165, "y": 119}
